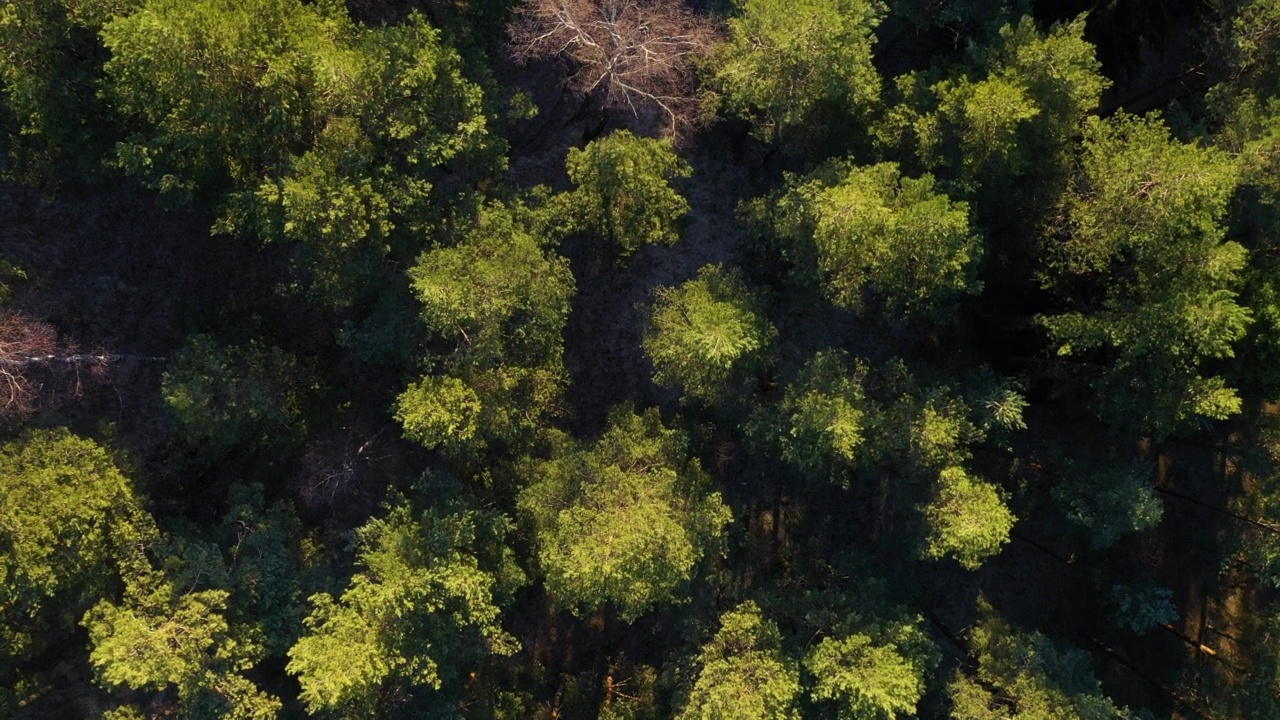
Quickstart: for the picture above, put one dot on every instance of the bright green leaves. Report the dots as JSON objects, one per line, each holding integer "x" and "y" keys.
{"x": 1143, "y": 228}
{"x": 786, "y": 61}
{"x": 167, "y": 633}
{"x": 868, "y": 233}
{"x": 743, "y": 673}
{"x": 228, "y": 87}
{"x": 502, "y": 298}
{"x": 67, "y": 516}
{"x": 1025, "y": 676}
{"x": 225, "y": 396}
{"x": 438, "y": 412}
{"x": 623, "y": 191}
{"x": 421, "y": 611}
{"x": 865, "y": 679}
{"x": 624, "y": 520}
{"x": 967, "y": 518}
{"x": 700, "y": 333}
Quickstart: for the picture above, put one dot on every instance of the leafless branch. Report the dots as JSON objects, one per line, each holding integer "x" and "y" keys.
{"x": 637, "y": 54}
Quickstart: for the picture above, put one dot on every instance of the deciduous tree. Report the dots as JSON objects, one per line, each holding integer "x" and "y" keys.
{"x": 623, "y": 191}
{"x": 421, "y": 611}
{"x": 743, "y": 672}
{"x": 702, "y": 332}
{"x": 787, "y": 62}
{"x": 625, "y": 520}
{"x": 1143, "y": 228}
{"x": 869, "y": 233}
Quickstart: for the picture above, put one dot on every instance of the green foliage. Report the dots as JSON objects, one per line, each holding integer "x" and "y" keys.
{"x": 744, "y": 673}
{"x": 227, "y": 396}
{"x": 66, "y": 517}
{"x": 1018, "y": 120}
{"x": 230, "y": 91}
{"x": 920, "y": 429}
{"x": 1142, "y": 227}
{"x": 701, "y": 332}
{"x": 1140, "y": 608}
{"x": 1110, "y": 501}
{"x": 49, "y": 66}
{"x": 624, "y": 520}
{"x": 438, "y": 412}
{"x": 825, "y": 415}
{"x": 167, "y": 633}
{"x": 503, "y": 298}
{"x": 623, "y": 191}
{"x": 299, "y": 125}
{"x": 967, "y": 518}
{"x": 267, "y": 568}
{"x": 787, "y": 62}
{"x": 869, "y": 231}
{"x": 1026, "y": 676}
{"x": 865, "y": 679}
{"x": 421, "y": 611}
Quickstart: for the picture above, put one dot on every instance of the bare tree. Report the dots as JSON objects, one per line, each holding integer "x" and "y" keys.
{"x": 637, "y": 54}
{"x": 28, "y": 346}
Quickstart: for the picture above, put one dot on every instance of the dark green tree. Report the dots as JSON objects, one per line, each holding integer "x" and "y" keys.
{"x": 228, "y": 396}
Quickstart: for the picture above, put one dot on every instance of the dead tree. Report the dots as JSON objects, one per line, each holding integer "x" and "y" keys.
{"x": 636, "y": 54}
{"x": 29, "y": 346}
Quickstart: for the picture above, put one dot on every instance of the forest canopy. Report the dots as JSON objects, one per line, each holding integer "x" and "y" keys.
{"x": 640, "y": 359}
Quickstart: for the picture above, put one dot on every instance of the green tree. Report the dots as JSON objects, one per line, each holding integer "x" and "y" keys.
{"x": 743, "y": 672}
{"x": 866, "y": 679}
{"x": 1015, "y": 115}
{"x": 623, "y": 191}
{"x": 702, "y": 332}
{"x": 967, "y": 519}
{"x": 624, "y": 520}
{"x": 1026, "y": 676}
{"x": 167, "y": 633}
{"x": 1142, "y": 229}
{"x": 1110, "y": 501}
{"x": 501, "y": 296}
{"x": 869, "y": 232}
{"x": 225, "y": 396}
{"x": 423, "y": 609}
{"x": 67, "y": 516}
{"x": 1141, "y": 607}
{"x": 787, "y": 63}
{"x": 825, "y": 416}
{"x": 50, "y": 64}
{"x": 299, "y": 125}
